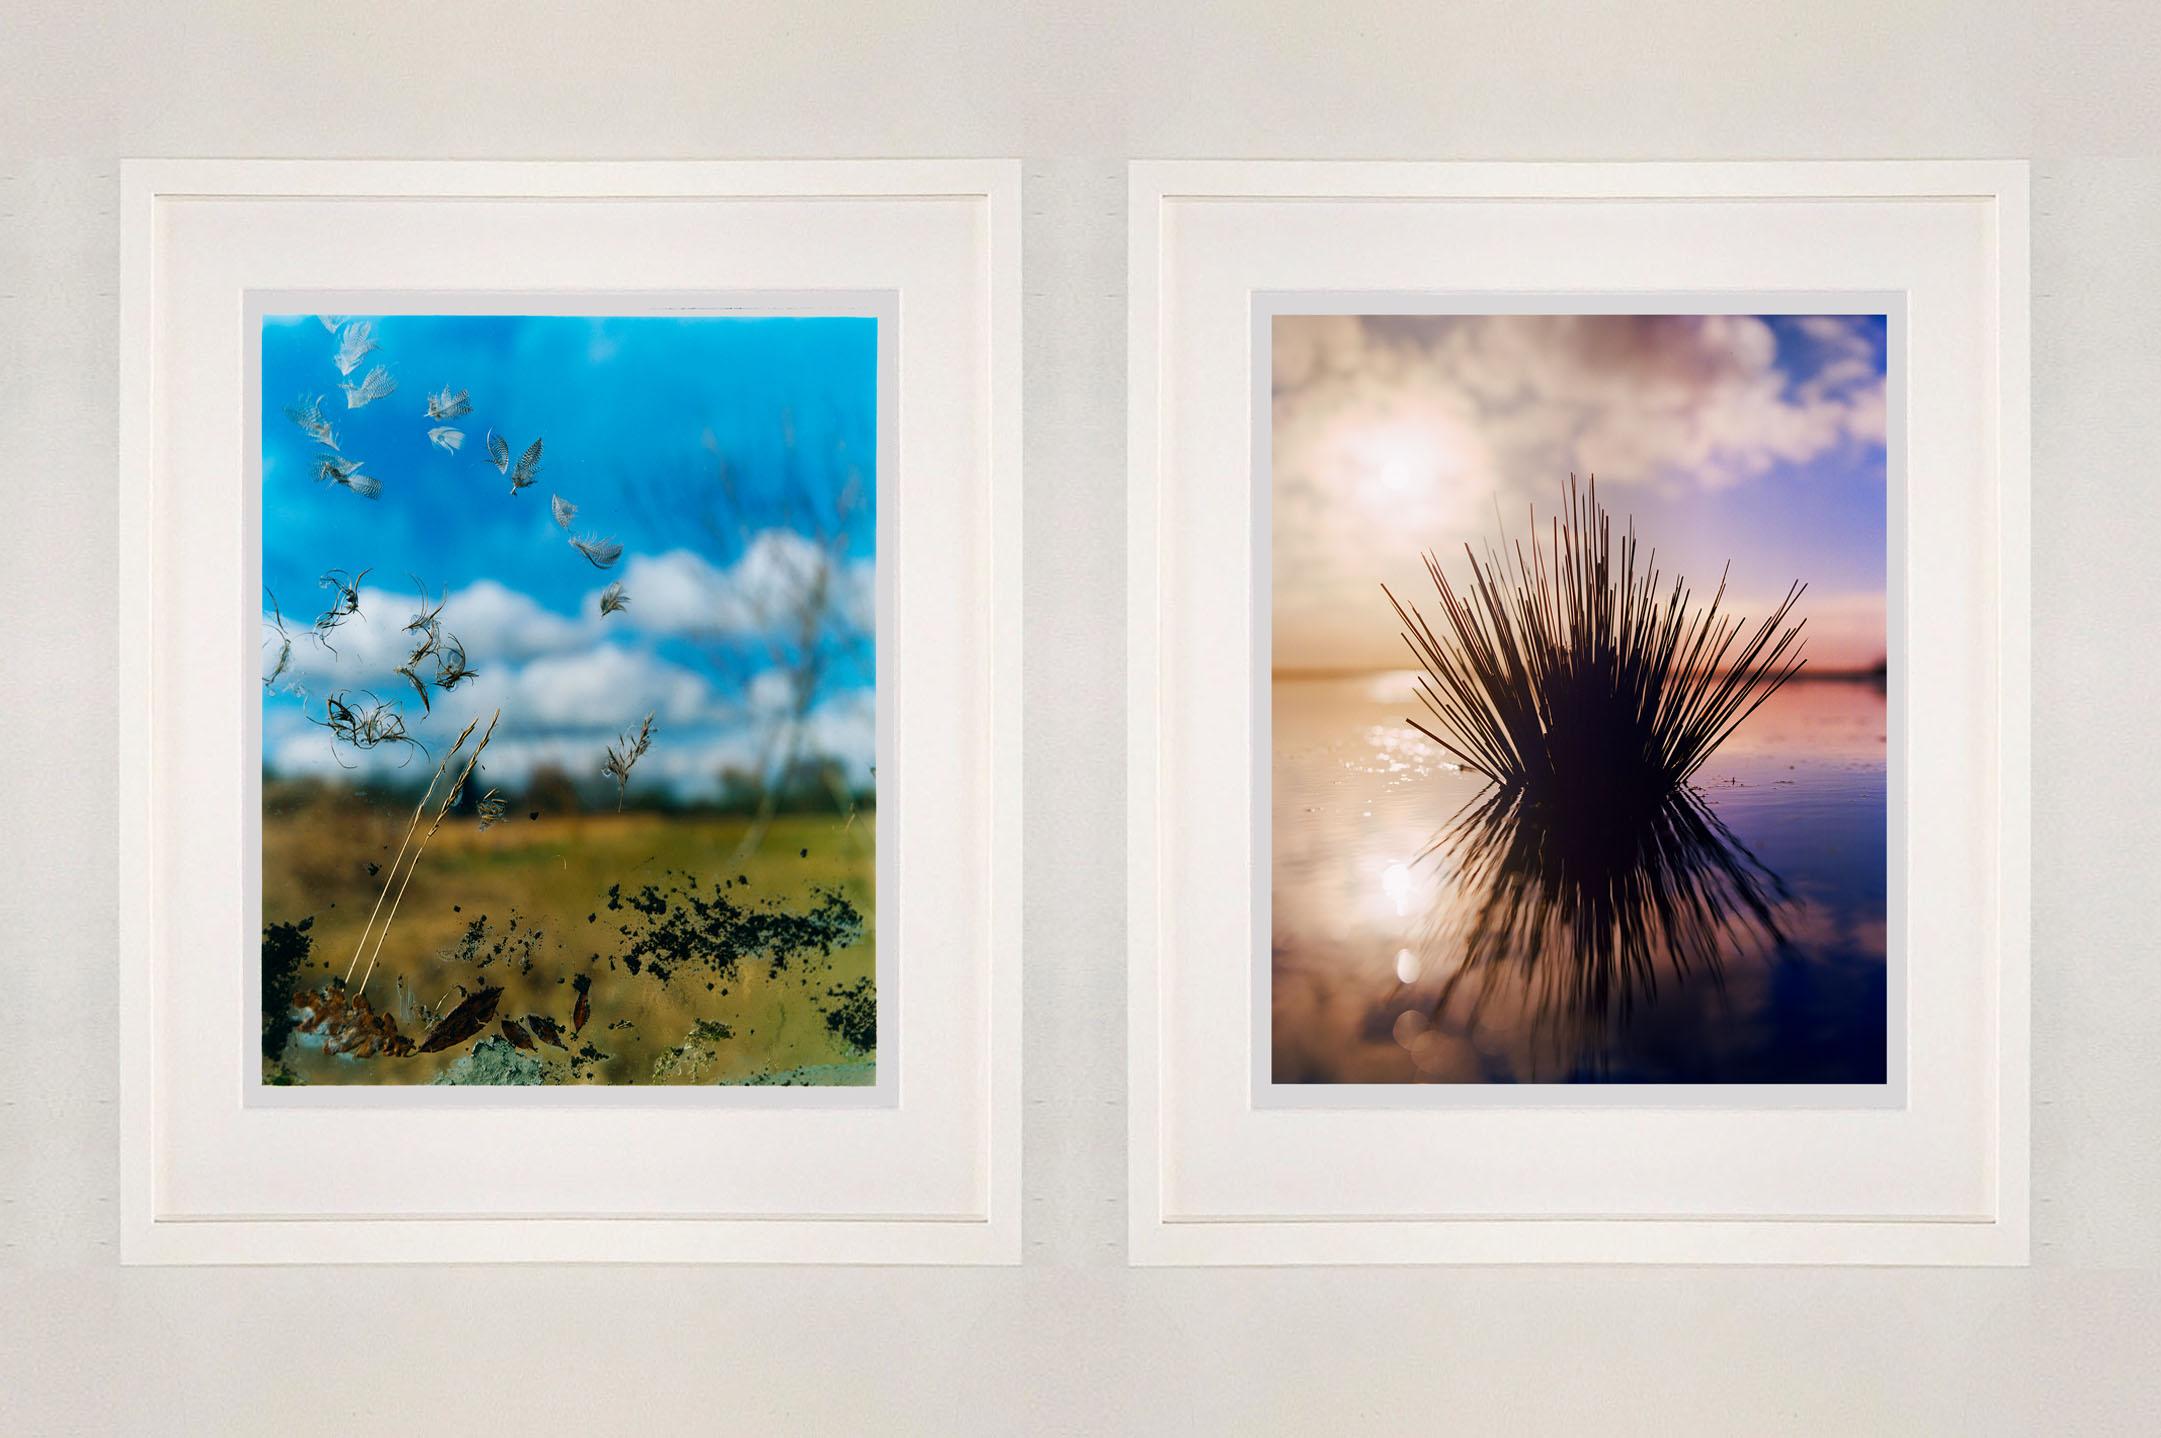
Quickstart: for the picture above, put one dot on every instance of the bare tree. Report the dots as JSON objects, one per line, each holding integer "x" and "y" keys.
{"x": 802, "y": 629}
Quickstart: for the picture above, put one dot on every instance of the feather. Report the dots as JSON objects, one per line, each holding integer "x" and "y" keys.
{"x": 373, "y": 386}
{"x": 601, "y": 553}
{"x": 613, "y": 598}
{"x": 527, "y": 469}
{"x": 563, "y": 510}
{"x": 498, "y": 452}
{"x": 426, "y": 621}
{"x": 451, "y": 670}
{"x": 347, "y": 589}
{"x": 355, "y": 344}
{"x": 331, "y": 322}
{"x": 337, "y": 469}
{"x": 445, "y": 405}
{"x": 418, "y": 688}
{"x": 445, "y": 438}
{"x": 307, "y": 413}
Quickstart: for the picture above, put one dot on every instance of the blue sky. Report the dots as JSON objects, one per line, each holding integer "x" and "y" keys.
{"x": 1755, "y": 439}
{"x": 640, "y": 418}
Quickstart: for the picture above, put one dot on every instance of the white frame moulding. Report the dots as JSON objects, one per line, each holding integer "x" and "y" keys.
{"x": 985, "y": 1228}
{"x": 1576, "y": 1225}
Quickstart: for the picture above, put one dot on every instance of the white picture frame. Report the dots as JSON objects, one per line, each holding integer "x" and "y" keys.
{"x": 1219, "y": 1175}
{"x": 923, "y": 1169}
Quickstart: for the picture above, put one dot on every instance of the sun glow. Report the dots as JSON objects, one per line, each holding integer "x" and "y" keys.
{"x": 1402, "y": 461}
{"x": 1413, "y": 474}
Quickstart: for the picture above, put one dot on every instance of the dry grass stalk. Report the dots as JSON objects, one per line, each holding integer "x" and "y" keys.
{"x": 621, "y": 760}
{"x": 450, "y": 796}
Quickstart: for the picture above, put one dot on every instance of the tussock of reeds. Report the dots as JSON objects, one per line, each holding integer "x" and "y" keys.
{"x": 1578, "y": 673}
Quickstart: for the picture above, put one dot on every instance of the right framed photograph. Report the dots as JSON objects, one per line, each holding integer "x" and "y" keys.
{"x": 1580, "y": 681}
{"x": 1579, "y": 750}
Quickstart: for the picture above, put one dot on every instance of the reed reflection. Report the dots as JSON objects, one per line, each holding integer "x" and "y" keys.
{"x": 1573, "y": 921}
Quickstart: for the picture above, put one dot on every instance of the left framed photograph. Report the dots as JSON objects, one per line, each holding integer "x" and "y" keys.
{"x": 570, "y": 738}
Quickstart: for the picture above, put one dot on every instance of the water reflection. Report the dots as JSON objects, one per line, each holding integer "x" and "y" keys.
{"x": 1577, "y": 916}
{"x": 1740, "y": 938}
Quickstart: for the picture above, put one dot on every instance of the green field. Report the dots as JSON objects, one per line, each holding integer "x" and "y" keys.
{"x": 552, "y": 875}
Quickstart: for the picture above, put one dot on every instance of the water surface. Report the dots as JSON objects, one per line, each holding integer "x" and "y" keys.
{"x": 1425, "y": 934}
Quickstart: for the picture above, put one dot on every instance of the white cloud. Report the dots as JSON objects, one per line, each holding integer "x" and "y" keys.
{"x": 681, "y": 592}
{"x": 580, "y": 689}
{"x": 1391, "y": 435}
{"x": 1514, "y": 403}
{"x": 1836, "y": 332}
{"x": 492, "y": 621}
{"x": 567, "y": 686}
{"x": 772, "y": 693}
{"x": 676, "y": 593}
{"x": 369, "y": 644}
{"x": 562, "y": 710}
{"x": 1868, "y": 416}
{"x": 688, "y": 761}
{"x": 496, "y": 620}
{"x": 686, "y": 765}
{"x": 845, "y": 728}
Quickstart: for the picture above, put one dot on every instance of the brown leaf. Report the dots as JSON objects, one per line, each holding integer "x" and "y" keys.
{"x": 547, "y": 1030}
{"x": 583, "y": 1009}
{"x": 462, "y": 1022}
{"x": 515, "y": 1032}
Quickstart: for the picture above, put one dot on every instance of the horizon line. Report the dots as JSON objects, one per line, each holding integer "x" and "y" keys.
{"x": 1871, "y": 674}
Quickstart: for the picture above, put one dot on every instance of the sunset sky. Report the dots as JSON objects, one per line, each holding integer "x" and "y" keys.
{"x": 1754, "y": 439}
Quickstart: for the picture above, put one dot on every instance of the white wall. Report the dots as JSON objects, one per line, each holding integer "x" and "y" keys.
{"x": 1074, "y": 1341}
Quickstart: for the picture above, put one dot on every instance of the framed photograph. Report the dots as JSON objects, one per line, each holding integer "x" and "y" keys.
{"x": 1578, "y": 721}
{"x": 570, "y": 734}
